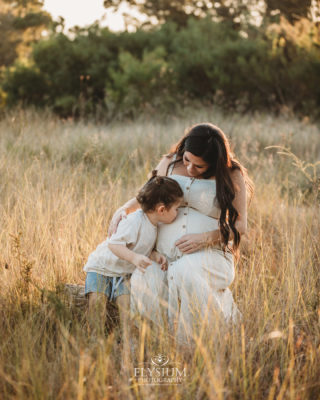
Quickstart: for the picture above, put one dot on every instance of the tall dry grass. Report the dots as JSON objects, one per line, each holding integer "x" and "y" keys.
{"x": 60, "y": 183}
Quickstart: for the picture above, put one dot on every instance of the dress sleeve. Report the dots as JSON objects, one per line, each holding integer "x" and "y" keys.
{"x": 127, "y": 232}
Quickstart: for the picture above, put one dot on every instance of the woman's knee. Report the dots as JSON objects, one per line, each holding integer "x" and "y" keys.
{"x": 216, "y": 269}
{"x": 183, "y": 270}
{"x": 221, "y": 272}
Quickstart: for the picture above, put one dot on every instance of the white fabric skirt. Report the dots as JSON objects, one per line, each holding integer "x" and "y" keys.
{"x": 193, "y": 292}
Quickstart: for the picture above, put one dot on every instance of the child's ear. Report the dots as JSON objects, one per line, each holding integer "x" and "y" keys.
{"x": 161, "y": 208}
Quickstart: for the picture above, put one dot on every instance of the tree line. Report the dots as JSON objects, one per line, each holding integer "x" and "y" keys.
{"x": 188, "y": 51}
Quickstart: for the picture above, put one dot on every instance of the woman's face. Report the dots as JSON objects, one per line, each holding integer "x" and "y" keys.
{"x": 196, "y": 166}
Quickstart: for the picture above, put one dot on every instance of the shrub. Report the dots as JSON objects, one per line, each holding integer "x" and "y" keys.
{"x": 138, "y": 83}
{"x": 205, "y": 61}
{"x": 25, "y": 85}
{"x": 193, "y": 55}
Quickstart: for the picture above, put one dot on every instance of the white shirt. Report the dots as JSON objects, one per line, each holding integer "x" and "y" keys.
{"x": 137, "y": 233}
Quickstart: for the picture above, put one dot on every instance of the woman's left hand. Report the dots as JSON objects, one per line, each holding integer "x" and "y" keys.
{"x": 191, "y": 243}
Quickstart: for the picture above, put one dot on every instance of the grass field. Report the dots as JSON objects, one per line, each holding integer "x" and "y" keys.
{"x": 61, "y": 181}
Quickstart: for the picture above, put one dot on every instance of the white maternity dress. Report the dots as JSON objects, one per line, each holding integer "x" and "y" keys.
{"x": 195, "y": 288}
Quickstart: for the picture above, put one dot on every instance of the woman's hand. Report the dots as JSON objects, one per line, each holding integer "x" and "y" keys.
{"x": 191, "y": 243}
{"x": 117, "y": 217}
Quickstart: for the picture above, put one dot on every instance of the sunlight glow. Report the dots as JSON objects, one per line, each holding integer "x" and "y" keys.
{"x": 83, "y": 13}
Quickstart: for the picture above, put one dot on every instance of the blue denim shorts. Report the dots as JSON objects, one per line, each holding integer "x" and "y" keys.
{"x": 112, "y": 287}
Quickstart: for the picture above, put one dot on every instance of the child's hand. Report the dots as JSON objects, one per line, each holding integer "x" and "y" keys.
{"x": 163, "y": 262}
{"x": 160, "y": 259}
{"x": 141, "y": 262}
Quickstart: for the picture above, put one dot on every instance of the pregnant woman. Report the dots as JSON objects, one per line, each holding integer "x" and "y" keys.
{"x": 201, "y": 243}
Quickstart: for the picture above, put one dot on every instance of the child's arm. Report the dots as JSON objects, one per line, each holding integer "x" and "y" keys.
{"x": 122, "y": 251}
{"x": 160, "y": 259}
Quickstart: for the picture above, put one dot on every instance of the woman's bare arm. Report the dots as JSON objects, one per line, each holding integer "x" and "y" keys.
{"x": 162, "y": 167}
{"x": 240, "y": 201}
{"x": 130, "y": 206}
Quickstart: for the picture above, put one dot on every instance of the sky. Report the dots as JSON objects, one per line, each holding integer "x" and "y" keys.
{"x": 85, "y": 12}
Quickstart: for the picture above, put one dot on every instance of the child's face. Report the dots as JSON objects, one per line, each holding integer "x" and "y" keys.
{"x": 168, "y": 215}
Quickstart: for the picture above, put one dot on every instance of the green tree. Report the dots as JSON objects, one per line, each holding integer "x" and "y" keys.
{"x": 21, "y": 24}
{"x": 292, "y": 10}
{"x": 139, "y": 83}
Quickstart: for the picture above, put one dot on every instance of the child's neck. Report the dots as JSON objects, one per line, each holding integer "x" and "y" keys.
{"x": 153, "y": 218}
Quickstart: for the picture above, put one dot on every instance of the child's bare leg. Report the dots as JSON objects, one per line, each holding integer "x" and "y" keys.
{"x": 123, "y": 303}
{"x": 97, "y": 311}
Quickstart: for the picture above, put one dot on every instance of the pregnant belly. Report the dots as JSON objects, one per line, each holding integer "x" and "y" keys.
{"x": 187, "y": 221}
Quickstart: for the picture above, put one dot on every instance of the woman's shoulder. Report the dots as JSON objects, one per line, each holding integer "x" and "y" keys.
{"x": 164, "y": 163}
{"x": 237, "y": 178}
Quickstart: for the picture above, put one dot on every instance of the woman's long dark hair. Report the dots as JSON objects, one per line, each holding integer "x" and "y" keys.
{"x": 208, "y": 142}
